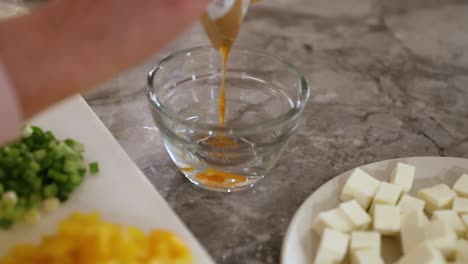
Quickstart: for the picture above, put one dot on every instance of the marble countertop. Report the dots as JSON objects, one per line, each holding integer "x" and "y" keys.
{"x": 388, "y": 79}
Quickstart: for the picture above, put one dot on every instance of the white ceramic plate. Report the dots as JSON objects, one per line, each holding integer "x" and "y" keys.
{"x": 300, "y": 243}
{"x": 120, "y": 192}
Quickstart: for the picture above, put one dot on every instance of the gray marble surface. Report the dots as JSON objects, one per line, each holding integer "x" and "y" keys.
{"x": 388, "y": 79}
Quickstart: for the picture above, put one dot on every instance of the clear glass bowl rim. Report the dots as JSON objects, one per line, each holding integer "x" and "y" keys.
{"x": 292, "y": 114}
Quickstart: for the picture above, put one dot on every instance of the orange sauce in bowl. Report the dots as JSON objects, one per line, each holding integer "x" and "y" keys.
{"x": 216, "y": 178}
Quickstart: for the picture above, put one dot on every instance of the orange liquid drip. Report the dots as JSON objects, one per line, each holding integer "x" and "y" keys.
{"x": 225, "y": 49}
{"x": 216, "y": 178}
{"x": 222, "y": 33}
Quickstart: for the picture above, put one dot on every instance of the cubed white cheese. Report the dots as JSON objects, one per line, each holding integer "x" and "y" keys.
{"x": 462, "y": 251}
{"x": 329, "y": 261}
{"x": 333, "y": 247}
{"x": 464, "y": 218}
{"x": 437, "y": 197}
{"x": 361, "y": 187}
{"x": 356, "y": 215}
{"x": 423, "y": 254}
{"x": 452, "y": 219}
{"x": 412, "y": 232}
{"x": 461, "y": 186}
{"x": 460, "y": 205}
{"x": 403, "y": 175}
{"x": 408, "y": 203}
{"x": 366, "y": 257}
{"x": 386, "y": 194}
{"x": 333, "y": 219}
{"x": 387, "y": 219}
{"x": 365, "y": 240}
{"x": 441, "y": 236}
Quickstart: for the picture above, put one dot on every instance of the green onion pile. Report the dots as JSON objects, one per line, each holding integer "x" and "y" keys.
{"x": 38, "y": 172}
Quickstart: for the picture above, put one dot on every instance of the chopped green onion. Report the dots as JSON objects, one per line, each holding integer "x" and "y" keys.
{"x": 50, "y": 190}
{"x": 6, "y": 223}
{"x": 27, "y": 132}
{"x": 94, "y": 167}
{"x": 40, "y": 154}
{"x": 36, "y": 168}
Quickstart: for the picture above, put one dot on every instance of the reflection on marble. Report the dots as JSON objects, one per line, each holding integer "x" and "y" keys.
{"x": 389, "y": 79}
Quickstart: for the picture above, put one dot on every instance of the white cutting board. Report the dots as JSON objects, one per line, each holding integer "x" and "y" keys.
{"x": 120, "y": 192}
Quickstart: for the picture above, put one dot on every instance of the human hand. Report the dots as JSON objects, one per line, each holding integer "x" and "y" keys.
{"x": 68, "y": 46}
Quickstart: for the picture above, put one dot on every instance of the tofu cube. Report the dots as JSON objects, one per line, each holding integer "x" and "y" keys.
{"x": 408, "y": 203}
{"x": 461, "y": 186}
{"x": 333, "y": 247}
{"x": 464, "y": 218}
{"x": 462, "y": 251}
{"x": 386, "y": 194}
{"x": 452, "y": 219}
{"x": 361, "y": 187}
{"x": 437, "y": 197}
{"x": 412, "y": 229}
{"x": 356, "y": 215}
{"x": 423, "y": 254}
{"x": 366, "y": 257}
{"x": 403, "y": 175}
{"x": 387, "y": 219}
{"x": 365, "y": 240}
{"x": 460, "y": 205}
{"x": 334, "y": 219}
{"x": 441, "y": 236}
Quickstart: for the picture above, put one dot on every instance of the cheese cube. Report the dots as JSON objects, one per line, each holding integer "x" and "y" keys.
{"x": 437, "y": 197}
{"x": 366, "y": 257}
{"x": 360, "y": 187}
{"x": 452, "y": 219}
{"x": 387, "y": 219}
{"x": 365, "y": 240}
{"x": 386, "y": 194}
{"x": 333, "y": 219}
{"x": 355, "y": 214}
{"x": 329, "y": 261}
{"x": 408, "y": 203}
{"x": 441, "y": 236}
{"x": 412, "y": 232}
{"x": 460, "y": 205}
{"x": 461, "y": 186}
{"x": 423, "y": 254}
{"x": 464, "y": 218}
{"x": 462, "y": 251}
{"x": 403, "y": 175}
{"x": 333, "y": 247}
